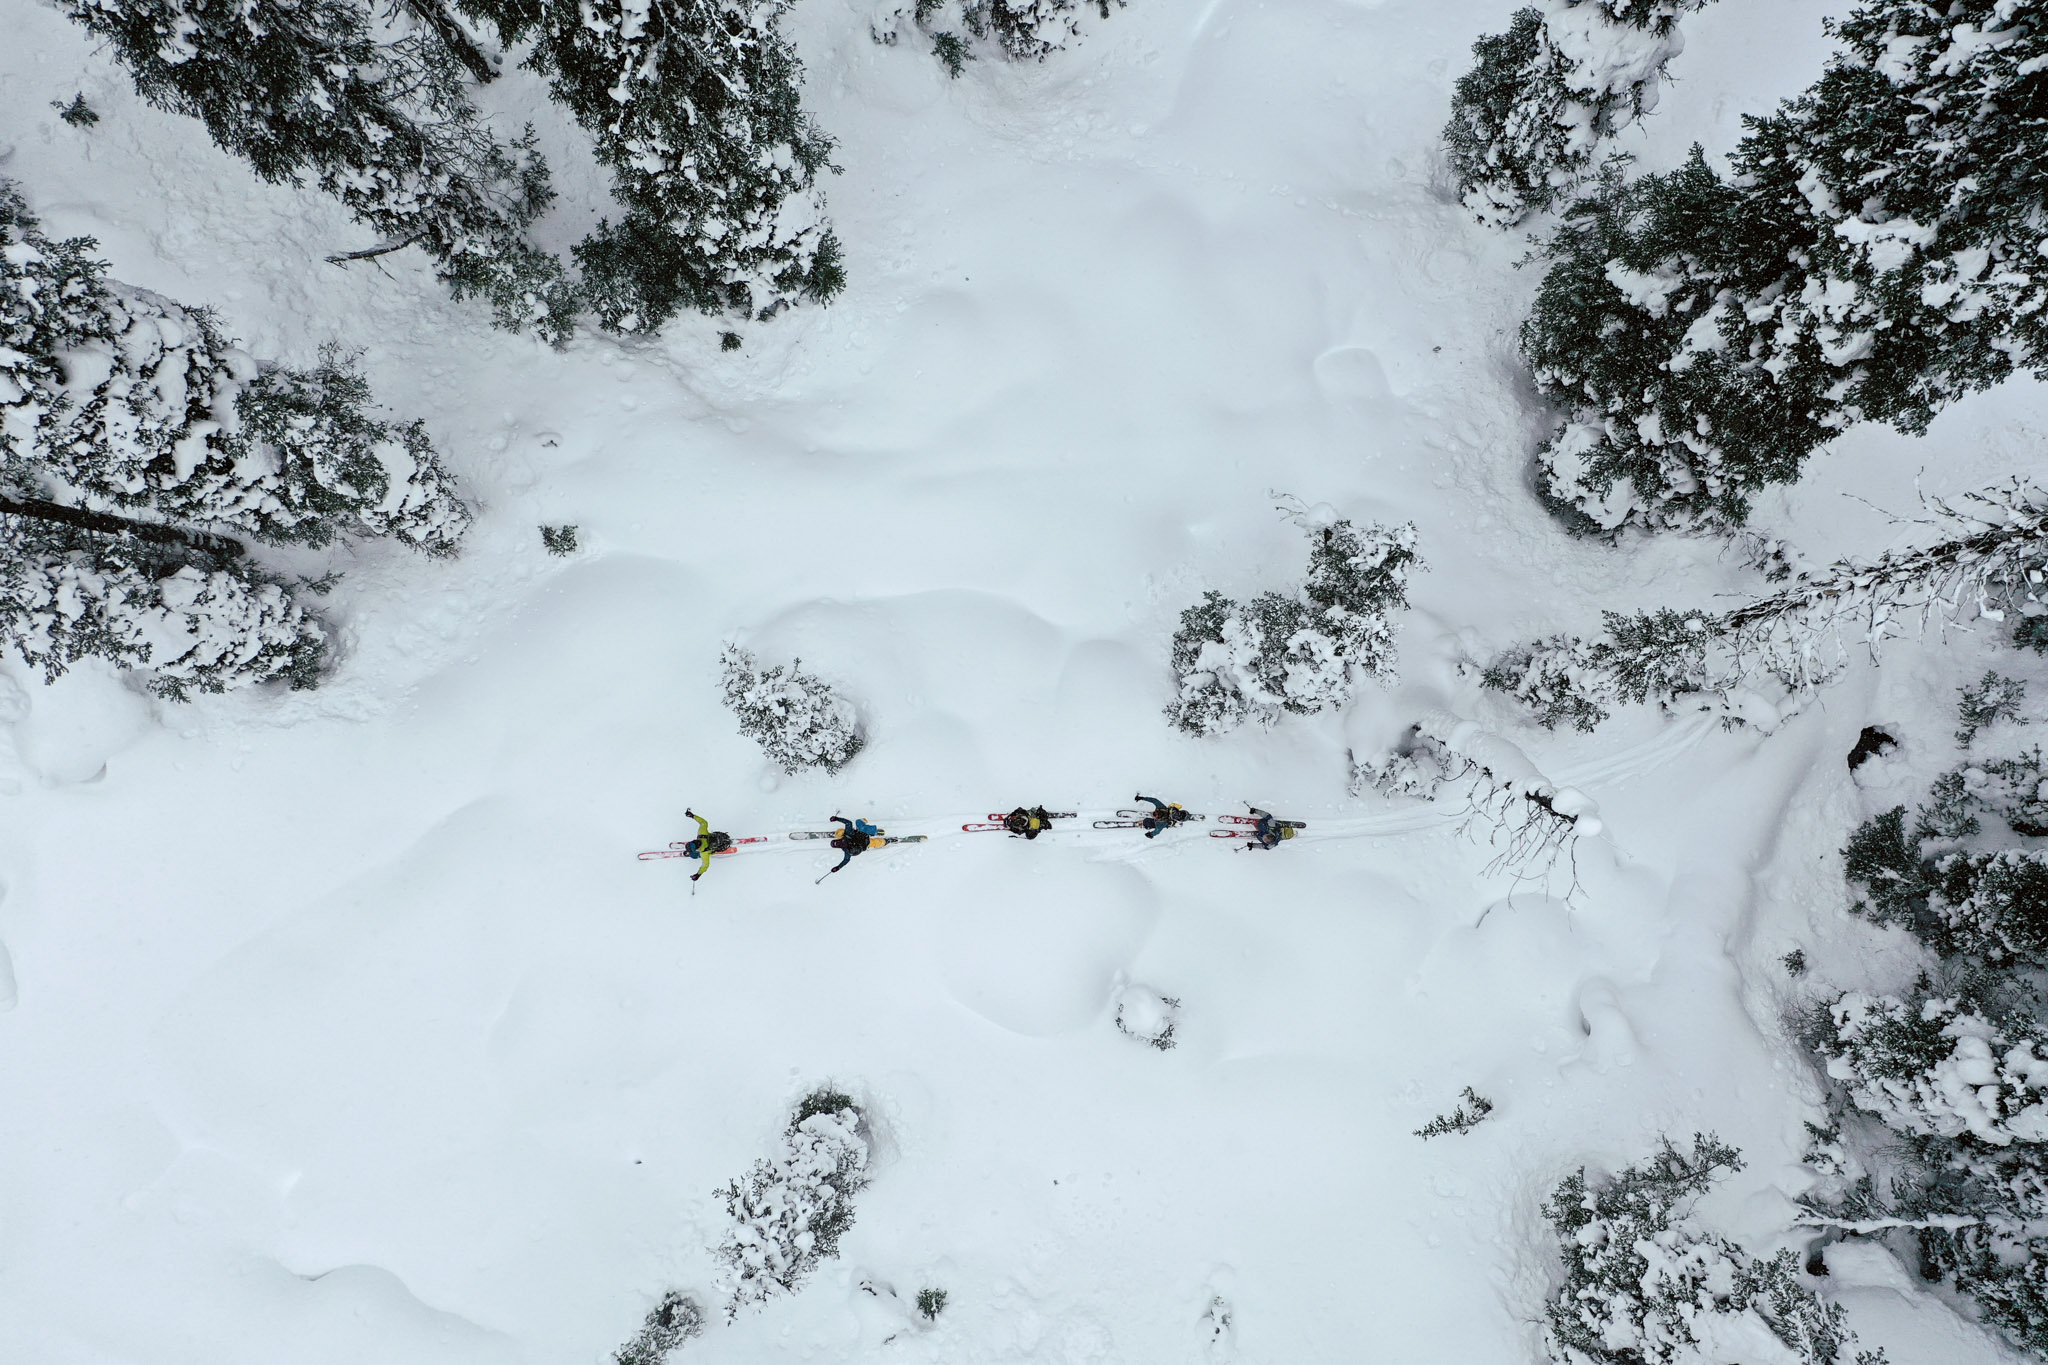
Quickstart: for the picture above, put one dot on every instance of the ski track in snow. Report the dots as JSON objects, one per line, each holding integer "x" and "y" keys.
{"x": 350, "y": 1029}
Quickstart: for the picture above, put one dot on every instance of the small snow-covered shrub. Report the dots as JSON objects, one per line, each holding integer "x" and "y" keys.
{"x": 1020, "y": 30}
{"x": 931, "y": 1303}
{"x": 1646, "y": 1285}
{"x": 794, "y": 716}
{"x": 1935, "y": 1066}
{"x": 78, "y": 113}
{"x": 1541, "y": 97}
{"x": 66, "y": 596}
{"x": 559, "y": 541}
{"x": 1299, "y": 653}
{"x": 1472, "y": 1110}
{"x": 1992, "y": 699}
{"x": 789, "y": 1213}
{"x": 669, "y": 1324}
{"x": 1146, "y": 1015}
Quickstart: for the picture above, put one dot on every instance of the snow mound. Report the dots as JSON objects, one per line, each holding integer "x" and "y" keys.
{"x": 1038, "y": 936}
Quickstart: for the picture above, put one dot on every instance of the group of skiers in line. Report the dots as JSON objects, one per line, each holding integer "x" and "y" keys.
{"x": 1027, "y": 822}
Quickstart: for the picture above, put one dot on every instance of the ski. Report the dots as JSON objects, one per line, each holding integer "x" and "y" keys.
{"x": 1119, "y": 824}
{"x": 1231, "y": 834}
{"x": 1253, "y": 820}
{"x": 676, "y": 852}
{"x": 1183, "y": 816}
{"x": 816, "y": 834}
{"x": 901, "y": 839}
{"x": 834, "y": 834}
{"x": 974, "y": 828}
{"x": 750, "y": 839}
{"x": 1050, "y": 815}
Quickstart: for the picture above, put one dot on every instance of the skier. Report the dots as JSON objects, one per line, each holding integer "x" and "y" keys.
{"x": 707, "y": 842}
{"x": 1030, "y": 823}
{"x": 856, "y": 837}
{"x": 1164, "y": 816}
{"x": 1270, "y": 830}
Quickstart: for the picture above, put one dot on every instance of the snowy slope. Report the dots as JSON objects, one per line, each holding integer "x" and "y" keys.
{"x": 348, "y": 1028}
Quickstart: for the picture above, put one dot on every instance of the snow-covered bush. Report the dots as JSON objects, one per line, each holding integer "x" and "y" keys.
{"x": 67, "y": 596}
{"x": 789, "y": 1213}
{"x": 1871, "y": 258}
{"x": 1988, "y": 905}
{"x": 1994, "y": 698}
{"x": 1020, "y": 30}
{"x": 1527, "y": 120}
{"x": 1988, "y": 557}
{"x": 669, "y": 1324}
{"x": 122, "y": 400}
{"x": 1935, "y": 1065}
{"x": 796, "y": 717}
{"x": 374, "y": 111}
{"x": 1646, "y": 1285}
{"x": 1472, "y": 1110}
{"x": 1299, "y": 653}
{"x": 696, "y": 109}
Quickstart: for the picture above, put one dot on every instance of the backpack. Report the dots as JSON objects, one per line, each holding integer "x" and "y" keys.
{"x": 718, "y": 842}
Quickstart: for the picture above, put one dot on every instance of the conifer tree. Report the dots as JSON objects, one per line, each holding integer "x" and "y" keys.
{"x": 696, "y": 108}
{"x": 1872, "y": 258}
{"x": 126, "y": 418}
{"x": 1646, "y": 1285}
{"x": 1299, "y": 652}
{"x": 307, "y": 90}
{"x": 1528, "y": 119}
{"x": 1018, "y": 30}
{"x": 1988, "y": 554}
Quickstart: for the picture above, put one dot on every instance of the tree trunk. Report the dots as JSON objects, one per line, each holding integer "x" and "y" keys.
{"x": 220, "y": 546}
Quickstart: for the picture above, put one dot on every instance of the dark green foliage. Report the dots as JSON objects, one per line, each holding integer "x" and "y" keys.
{"x": 1510, "y": 155}
{"x": 1871, "y": 258}
{"x": 2031, "y": 632}
{"x": 302, "y": 90}
{"x": 1472, "y": 1108}
{"x": 790, "y": 1213}
{"x": 669, "y": 1324}
{"x": 1993, "y": 698}
{"x": 1621, "y": 1306}
{"x": 823, "y": 1100}
{"x": 796, "y": 717}
{"x": 931, "y": 1303}
{"x": 728, "y": 341}
{"x": 1795, "y": 962}
{"x": 190, "y": 621}
{"x": 559, "y": 540}
{"x": 696, "y": 109}
{"x": 952, "y": 52}
{"x": 78, "y": 113}
{"x": 1295, "y": 654}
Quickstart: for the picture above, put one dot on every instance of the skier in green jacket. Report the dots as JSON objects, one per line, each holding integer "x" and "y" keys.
{"x": 707, "y": 842}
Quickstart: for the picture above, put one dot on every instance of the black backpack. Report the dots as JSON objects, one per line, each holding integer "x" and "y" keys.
{"x": 718, "y": 842}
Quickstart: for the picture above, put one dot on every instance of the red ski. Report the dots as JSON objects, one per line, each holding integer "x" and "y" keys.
{"x": 977, "y": 828}
{"x": 1050, "y": 815}
{"x": 1253, "y": 820}
{"x": 675, "y": 850}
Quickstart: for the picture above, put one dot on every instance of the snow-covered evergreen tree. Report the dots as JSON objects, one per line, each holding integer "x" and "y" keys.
{"x": 1295, "y": 653}
{"x": 377, "y": 116}
{"x": 1646, "y": 1285}
{"x": 1529, "y": 118}
{"x": 188, "y": 624}
{"x": 796, "y": 717}
{"x": 789, "y": 1213}
{"x": 1936, "y": 1065}
{"x": 115, "y": 398}
{"x": 1988, "y": 556}
{"x": 1872, "y": 258}
{"x": 1020, "y": 30}
{"x": 696, "y": 108}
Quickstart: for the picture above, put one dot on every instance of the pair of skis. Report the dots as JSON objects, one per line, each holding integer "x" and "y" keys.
{"x": 996, "y": 821}
{"x": 1253, "y": 821}
{"x": 1135, "y": 819}
{"x": 679, "y": 849}
{"x": 884, "y": 838}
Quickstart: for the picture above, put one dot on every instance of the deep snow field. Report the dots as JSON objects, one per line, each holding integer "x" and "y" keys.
{"x": 347, "y": 1028}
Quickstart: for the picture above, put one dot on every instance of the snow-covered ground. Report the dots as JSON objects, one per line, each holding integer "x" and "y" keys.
{"x": 347, "y": 1027}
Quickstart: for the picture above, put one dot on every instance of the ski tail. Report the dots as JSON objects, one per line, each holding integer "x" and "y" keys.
{"x": 974, "y": 827}
{"x": 1119, "y": 824}
{"x": 1050, "y": 815}
{"x": 1253, "y": 820}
